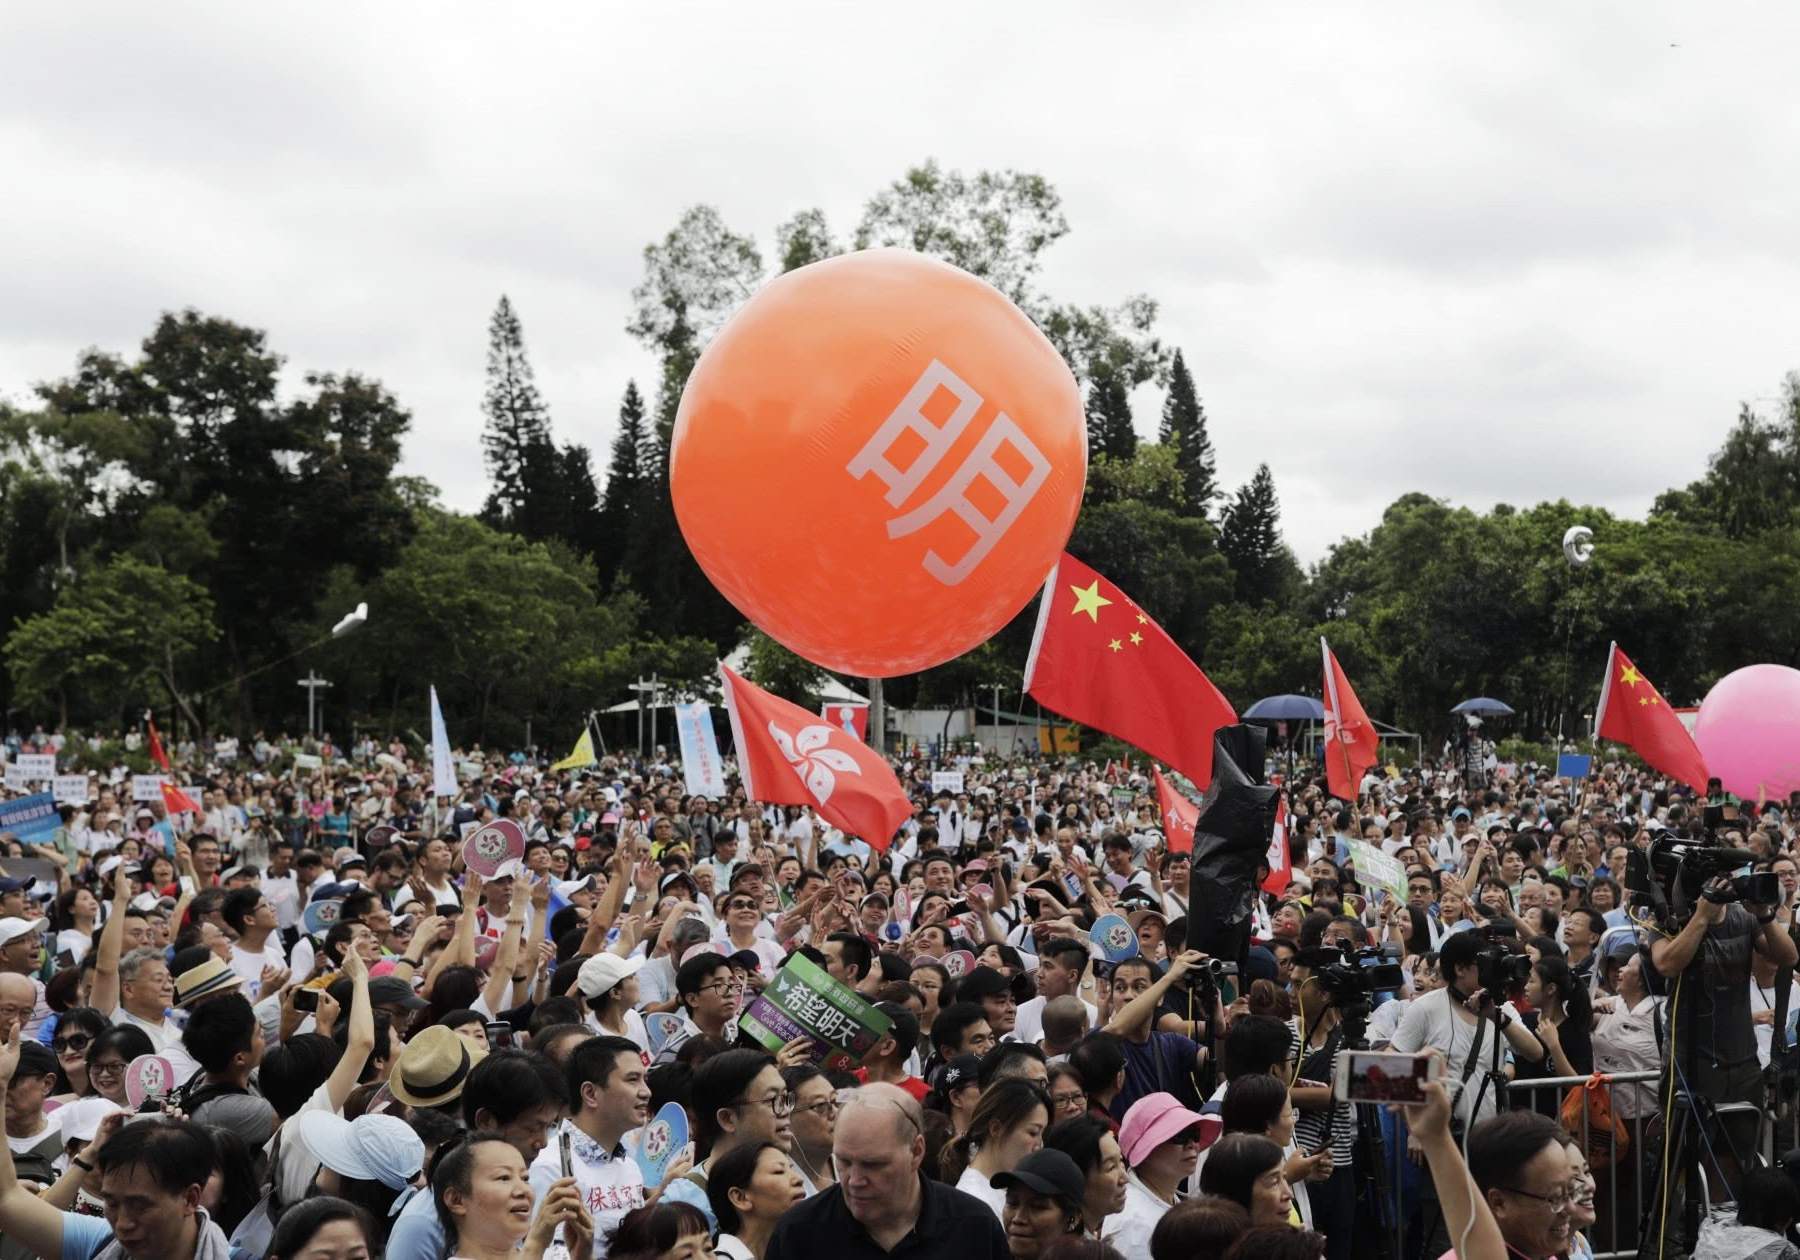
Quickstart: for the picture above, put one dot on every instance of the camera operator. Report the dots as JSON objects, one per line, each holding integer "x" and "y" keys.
{"x": 1464, "y": 1020}
{"x": 1714, "y": 1031}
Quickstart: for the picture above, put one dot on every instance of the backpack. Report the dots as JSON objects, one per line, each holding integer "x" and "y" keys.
{"x": 1588, "y": 1108}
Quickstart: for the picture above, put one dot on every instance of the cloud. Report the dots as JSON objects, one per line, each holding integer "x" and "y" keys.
{"x": 1493, "y": 255}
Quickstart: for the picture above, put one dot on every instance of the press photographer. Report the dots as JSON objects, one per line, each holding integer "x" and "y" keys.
{"x": 1723, "y": 918}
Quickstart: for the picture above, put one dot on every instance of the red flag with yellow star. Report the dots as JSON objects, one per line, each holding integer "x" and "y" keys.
{"x": 1098, "y": 658}
{"x": 1632, "y": 711}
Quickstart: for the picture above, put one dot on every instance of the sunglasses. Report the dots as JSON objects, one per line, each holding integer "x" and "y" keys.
{"x": 74, "y": 1042}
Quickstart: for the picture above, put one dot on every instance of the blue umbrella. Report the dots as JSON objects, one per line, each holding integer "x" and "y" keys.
{"x": 1286, "y": 709}
{"x": 1484, "y": 705}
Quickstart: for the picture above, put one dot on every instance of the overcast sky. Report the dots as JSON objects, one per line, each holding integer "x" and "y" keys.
{"x": 1490, "y": 252}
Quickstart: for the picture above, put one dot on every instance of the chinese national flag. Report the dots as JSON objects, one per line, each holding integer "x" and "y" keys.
{"x": 1179, "y": 814}
{"x": 157, "y": 754}
{"x": 1350, "y": 738}
{"x": 1281, "y": 861}
{"x": 1098, "y": 658}
{"x": 788, "y": 756}
{"x": 1633, "y": 712}
{"x": 175, "y": 801}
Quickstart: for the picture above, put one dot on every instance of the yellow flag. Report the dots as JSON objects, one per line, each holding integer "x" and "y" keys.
{"x": 583, "y": 755}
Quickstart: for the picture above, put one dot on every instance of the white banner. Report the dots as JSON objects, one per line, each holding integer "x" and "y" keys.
{"x": 71, "y": 789}
{"x": 950, "y": 781}
{"x": 700, "y": 761}
{"x": 39, "y": 767}
{"x": 443, "y": 771}
{"x": 148, "y": 787}
{"x": 306, "y": 761}
{"x": 18, "y": 779}
{"x": 226, "y": 750}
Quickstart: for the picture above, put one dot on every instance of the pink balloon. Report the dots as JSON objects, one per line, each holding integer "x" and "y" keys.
{"x": 1749, "y": 731}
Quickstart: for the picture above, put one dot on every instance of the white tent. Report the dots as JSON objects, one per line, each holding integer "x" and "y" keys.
{"x": 831, "y": 691}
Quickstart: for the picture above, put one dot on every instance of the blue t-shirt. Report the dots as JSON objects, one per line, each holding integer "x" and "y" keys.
{"x": 84, "y": 1236}
{"x": 418, "y": 1232}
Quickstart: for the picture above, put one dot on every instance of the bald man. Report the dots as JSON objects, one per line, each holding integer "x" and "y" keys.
{"x": 883, "y": 1207}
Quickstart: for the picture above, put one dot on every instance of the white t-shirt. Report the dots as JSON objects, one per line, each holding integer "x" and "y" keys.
{"x": 283, "y": 892}
{"x": 250, "y": 966}
{"x": 1430, "y": 1021}
{"x": 1128, "y": 1230}
{"x": 1761, "y": 1000}
{"x": 975, "y": 1183}
{"x": 166, "y": 1038}
{"x": 611, "y": 1183}
{"x": 1030, "y": 1025}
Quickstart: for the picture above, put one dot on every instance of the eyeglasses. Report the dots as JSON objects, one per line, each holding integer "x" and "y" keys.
{"x": 112, "y": 1068}
{"x": 1076, "y": 1099}
{"x": 1558, "y": 1202}
{"x": 740, "y": 904}
{"x": 824, "y": 1107}
{"x": 74, "y": 1042}
{"x": 779, "y": 1105}
{"x": 723, "y": 986}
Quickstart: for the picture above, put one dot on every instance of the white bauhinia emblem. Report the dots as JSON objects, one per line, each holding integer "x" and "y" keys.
{"x": 810, "y": 753}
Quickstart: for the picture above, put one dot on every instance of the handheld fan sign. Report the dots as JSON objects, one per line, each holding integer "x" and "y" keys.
{"x": 148, "y": 1077}
{"x": 959, "y": 963}
{"x": 659, "y": 1027}
{"x": 321, "y": 916}
{"x": 486, "y": 848}
{"x": 661, "y": 1141}
{"x": 1114, "y": 936}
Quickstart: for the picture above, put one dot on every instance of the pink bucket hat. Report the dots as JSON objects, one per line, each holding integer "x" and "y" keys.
{"x": 1151, "y": 1121}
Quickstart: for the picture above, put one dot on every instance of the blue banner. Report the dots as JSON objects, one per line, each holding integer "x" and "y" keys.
{"x": 700, "y": 764}
{"x": 30, "y": 819}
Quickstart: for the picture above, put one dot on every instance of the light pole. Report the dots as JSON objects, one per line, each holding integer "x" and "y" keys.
{"x": 312, "y": 682}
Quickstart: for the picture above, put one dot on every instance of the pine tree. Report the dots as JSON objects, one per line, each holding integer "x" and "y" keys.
{"x": 1109, "y": 425}
{"x": 1184, "y": 429}
{"x": 1250, "y": 537}
{"x": 625, "y": 478}
{"x": 517, "y": 419}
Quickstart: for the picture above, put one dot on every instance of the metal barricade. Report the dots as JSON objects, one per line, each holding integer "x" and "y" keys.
{"x": 1623, "y": 1183}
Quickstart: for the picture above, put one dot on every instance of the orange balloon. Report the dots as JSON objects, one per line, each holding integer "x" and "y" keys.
{"x": 878, "y": 460}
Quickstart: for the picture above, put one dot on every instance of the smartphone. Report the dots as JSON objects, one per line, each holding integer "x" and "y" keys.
{"x": 306, "y": 1000}
{"x": 500, "y": 1036}
{"x": 1384, "y": 1076}
{"x": 563, "y": 1148}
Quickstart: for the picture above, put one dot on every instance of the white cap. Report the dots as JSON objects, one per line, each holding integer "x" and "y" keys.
{"x": 12, "y": 929}
{"x": 601, "y": 972}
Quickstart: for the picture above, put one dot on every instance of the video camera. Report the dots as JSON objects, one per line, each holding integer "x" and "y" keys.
{"x": 1349, "y": 975}
{"x": 1678, "y": 870}
{"x": 1500, "y": 970}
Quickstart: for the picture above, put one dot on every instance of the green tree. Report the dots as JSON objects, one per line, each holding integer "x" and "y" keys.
{"x": 515, "y": 417}
{"x": 122, "y": 632}
{"x": 1250, "y": 537}
{"x": 805, "y": 238}
{"x": 1184, "y": 430}
{"x": 993, "y": 224}
{"x": 1109, "y": 424}
{"x": 1151, "y": 476}
{"x": 1169, "y": 563}
{"x": 784, "y": 673}
{"x": 626, "y": 481}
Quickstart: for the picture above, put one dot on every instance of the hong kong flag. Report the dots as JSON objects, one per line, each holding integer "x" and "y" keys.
{"x": 788, "y": 756}
{"x": 1281, "y": 861}
{"x": 1350, "y": 738}
{"x": 1099, "y": 658}
{"x": 1179, "y": 815}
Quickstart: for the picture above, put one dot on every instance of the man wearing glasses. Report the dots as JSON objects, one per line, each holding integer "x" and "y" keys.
{"x": 1518, "y": 1161}
{"x": 708, "y": 996}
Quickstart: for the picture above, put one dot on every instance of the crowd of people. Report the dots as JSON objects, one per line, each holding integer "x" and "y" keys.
{"x": 295, "y": 1023}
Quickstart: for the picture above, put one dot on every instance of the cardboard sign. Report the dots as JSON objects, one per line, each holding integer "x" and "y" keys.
{"x": 147, "y": 788}
{"x": 950, "y": 781}
{"x": 18, "y": 779}
{"x": 1375, "y": 869}
{"x": 70, "y": 789}
{"x": 307, "y": 761}
{"x": 38, "y": 767}
{"x": 487, "y": 847}
{"x": 803, "y": 999}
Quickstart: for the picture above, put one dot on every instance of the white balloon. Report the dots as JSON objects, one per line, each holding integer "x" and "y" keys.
{"x": 1578, "y": 545}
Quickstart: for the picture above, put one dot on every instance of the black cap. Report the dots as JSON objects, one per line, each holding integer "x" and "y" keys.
{"x": 1047, "y": 1172}
{"x": 964, "y": 1069}
{"x": 35, "y": 1059}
